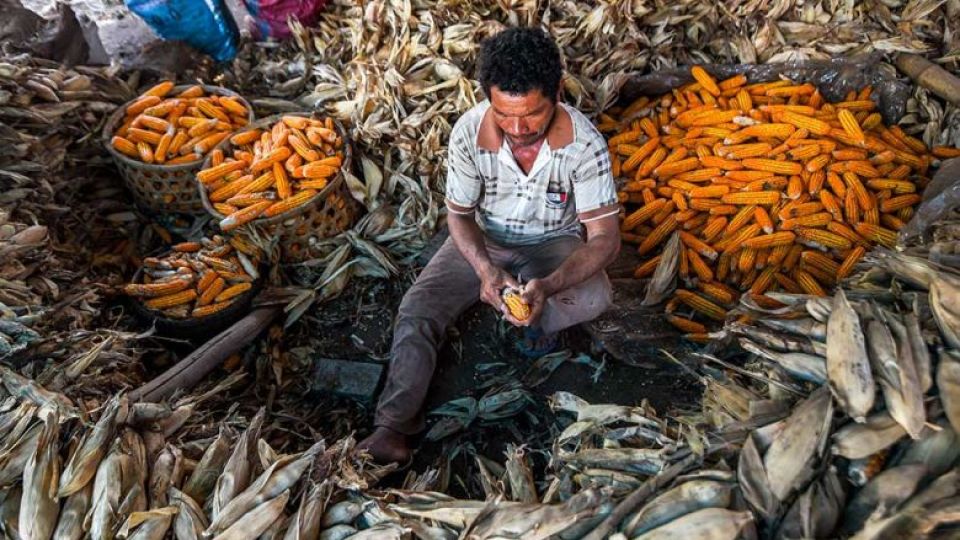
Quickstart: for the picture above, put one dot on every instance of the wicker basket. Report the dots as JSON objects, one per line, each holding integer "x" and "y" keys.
{"x": 164, "y": 189}
{"x": 194, "y": 328}
{"x": 330, "y": 212}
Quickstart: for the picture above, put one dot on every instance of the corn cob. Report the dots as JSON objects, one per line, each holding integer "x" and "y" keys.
{"x": 754, "y": 197}
{"x": 701, "y": 305}
{"x": 518, "y": 309}
{"x": 152, "y": 290}
{"x": 809, "y": 284}
{"x": 647, "y": 268}
{"x": 290, "y": 203}
{"x": 770, "y": 240}
{"x": 902, "y": 201}
{"x": 244, "y": 216}
{"x": 770, "y": 165}
{"x": 170, "y": 300}
{"x": 811, "y": 220}
{"x": 822, "y": 238}
{"x": 877, "y": 234}
{"x": 850, "y": 261}
{"x": 686, "y": 325}
{"x": 811, "y": 124}
{"x": 210, "y": 309}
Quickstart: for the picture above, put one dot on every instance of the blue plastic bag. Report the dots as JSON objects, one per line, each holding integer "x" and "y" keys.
{"x": 205, "y": 25}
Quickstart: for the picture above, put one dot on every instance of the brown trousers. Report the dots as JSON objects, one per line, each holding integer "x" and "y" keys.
{"x": 445, "y": 288}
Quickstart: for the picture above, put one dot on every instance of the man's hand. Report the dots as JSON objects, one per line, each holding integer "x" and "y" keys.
{"x": 535, "y": 293}
{"x": 491, "y": 283}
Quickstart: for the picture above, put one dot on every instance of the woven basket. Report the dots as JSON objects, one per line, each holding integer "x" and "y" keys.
{"x": 330, "y": 212}
{"x": 194, "y": 328}
{"x": 164, "y": 189}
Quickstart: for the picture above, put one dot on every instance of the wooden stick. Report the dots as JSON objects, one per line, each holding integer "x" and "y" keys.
{"x": 189, "y": 371}
{"x": 930, "y": 76}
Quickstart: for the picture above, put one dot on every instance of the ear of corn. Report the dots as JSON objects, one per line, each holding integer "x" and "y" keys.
{"x": 518, "y": 309}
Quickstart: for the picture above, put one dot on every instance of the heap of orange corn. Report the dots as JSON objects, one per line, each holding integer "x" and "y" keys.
{"x": 272, "y": 171}
{"x": 172, "y": 130}
{"x": 768, "y": 186}
{"x": 197, "y": 279}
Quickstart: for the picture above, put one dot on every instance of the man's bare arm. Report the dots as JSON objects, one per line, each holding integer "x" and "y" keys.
{"x": 468, "y": 238}
{"x": 601, "y": 249}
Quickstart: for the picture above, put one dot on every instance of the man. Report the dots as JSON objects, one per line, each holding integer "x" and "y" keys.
{"x": 526, "y": 174}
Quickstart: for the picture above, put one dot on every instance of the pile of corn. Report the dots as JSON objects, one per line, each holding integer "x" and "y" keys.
{"x": 178, "y": 129}
{"x": 197, "y": 279}
{"x": 272, "y": 171}
{"x": 768, "y": 186}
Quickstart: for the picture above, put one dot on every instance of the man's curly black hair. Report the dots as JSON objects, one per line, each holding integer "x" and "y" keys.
{"x": 518, "y": 60}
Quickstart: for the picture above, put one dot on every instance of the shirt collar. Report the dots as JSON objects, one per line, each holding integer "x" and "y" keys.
{"x": 560, "y": 134}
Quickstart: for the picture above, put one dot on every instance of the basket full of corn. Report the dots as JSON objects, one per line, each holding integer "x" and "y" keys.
{"x": 160, "y": 139}
{"x": 284, "y": 175}
{"x": 741, "y": 187}
{"x": 199, "y": 288}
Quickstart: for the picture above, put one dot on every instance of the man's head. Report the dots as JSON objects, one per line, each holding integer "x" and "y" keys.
{"x": 520, "y": 72}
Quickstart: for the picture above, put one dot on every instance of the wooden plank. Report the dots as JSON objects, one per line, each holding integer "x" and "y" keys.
{"x": 188, "y": 372}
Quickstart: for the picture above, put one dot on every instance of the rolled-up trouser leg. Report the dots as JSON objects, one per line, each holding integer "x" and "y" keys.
{"x": 580, "y": 303}
{"x": 445, "y": 288}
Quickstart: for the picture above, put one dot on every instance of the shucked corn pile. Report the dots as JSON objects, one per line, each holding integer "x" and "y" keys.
{"x": 178, "y": 129}
{"x": 767, "y": 185}
{"x": 273, "y": 171}
{"x": 197, "y": 279}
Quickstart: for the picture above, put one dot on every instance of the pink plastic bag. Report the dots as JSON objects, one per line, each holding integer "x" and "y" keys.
{"x": 270, "y": 16}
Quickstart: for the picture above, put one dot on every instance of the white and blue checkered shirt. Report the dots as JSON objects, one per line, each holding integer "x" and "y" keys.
{"x": 515, "y": 208}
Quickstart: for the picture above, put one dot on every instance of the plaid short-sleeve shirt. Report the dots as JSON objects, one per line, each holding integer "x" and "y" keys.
{"x": 516, "y": 208}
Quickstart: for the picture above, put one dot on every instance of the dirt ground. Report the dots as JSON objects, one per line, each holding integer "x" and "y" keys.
{"x": 481, "y": 349}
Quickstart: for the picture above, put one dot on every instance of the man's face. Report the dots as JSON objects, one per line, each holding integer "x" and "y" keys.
{"x": 524, "y": 118}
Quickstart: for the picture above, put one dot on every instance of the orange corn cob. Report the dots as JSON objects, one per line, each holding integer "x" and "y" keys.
{"x": 895, "y": 203}
{"x": 877, "y": 234}
{"x": 703, "y": 271}
{"x": 243, "y": 216}
{"x": 850, "y": 125}
{"x": 294, "y": 201}
{"x": 262, "y": 183}
{"x": 171, "y": 300}
{"x": 211, "y": 292}
{"x": 207, "y": 176}
{"x": 763, "y": 219}
{"x": 850, "y": 261}
{"x": 686, "y": 325}
{"x": 658, "y": 235}
{"x": 233, "y": 291}
{"x": 152, "y": 290}
{"x": 809, "y": 284}
{"x": 769, "y": 165}
{"x": 125, "y": 146}
{"x": 753, "y": 197}
{"x": 811, "y": 220}
{"x": 706, "y": 81}
{"x": 701, "y": 305}
{"x": 204, "y": 311}
{"x": 822, "y": 238}
{"x": 647, "y": 268}
{"x": 811, "y": 124}
{"x": 770, "y": 240}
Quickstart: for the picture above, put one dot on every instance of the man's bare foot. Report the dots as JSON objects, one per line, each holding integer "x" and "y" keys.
{"x": 387, "y": 446}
